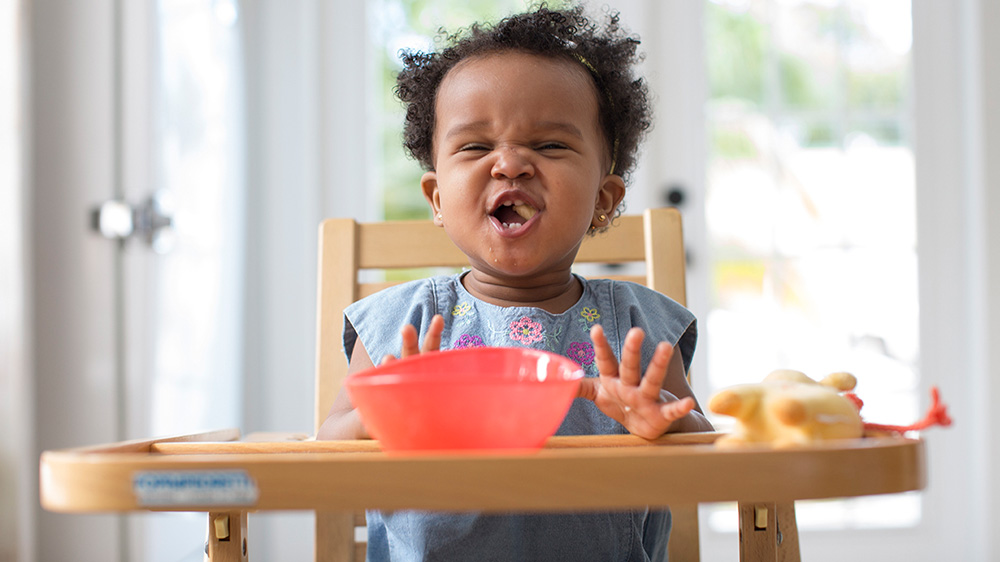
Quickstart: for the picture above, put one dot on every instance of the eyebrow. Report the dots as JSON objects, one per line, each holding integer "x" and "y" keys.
{"x": 478, "y": 126}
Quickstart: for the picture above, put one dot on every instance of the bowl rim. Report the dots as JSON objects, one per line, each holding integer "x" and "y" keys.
{"x": 422, "y": 379}
{"x": 381, "y": 374}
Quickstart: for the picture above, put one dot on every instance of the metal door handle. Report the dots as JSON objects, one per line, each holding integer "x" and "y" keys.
{"x": 152, "y": 220}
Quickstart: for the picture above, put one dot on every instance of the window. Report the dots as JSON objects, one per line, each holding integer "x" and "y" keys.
{"x": 810, "y": 210}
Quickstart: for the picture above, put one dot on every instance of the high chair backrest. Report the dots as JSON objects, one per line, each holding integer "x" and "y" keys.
{"x": 346, "y": 248}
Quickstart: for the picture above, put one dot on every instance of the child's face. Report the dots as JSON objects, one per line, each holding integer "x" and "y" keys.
{"x": 521, "y": 164}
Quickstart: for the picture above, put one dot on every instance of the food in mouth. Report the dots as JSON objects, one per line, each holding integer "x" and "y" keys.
{"x": 513, "y": 214}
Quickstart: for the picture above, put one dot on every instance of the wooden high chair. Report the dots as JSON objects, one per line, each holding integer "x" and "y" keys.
{"x": 347, "y": 248}
{"x": 227, "y": 477}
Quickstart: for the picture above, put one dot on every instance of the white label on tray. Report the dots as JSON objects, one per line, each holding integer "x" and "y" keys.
{"x": 160, "y": 488}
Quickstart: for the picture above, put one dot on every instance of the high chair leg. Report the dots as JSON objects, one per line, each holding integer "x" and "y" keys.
{"x": 768, "y": 532}
{"x": 335, "y": 537}
{"x": 684, "y": 540}
{"x": 227, "y": 537}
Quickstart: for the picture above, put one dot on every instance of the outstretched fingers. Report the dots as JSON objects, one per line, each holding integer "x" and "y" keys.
{"x": 677, "y": 409}
{"x": 604, "y": 356}
{"x": 410, "y": 345}
{"x": 432, "y": 340}
{"x": 656, "y": 371}
{"x": 631, "y": 364}
{"x": 625, "y": 393}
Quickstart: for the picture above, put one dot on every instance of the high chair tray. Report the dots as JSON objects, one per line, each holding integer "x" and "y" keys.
{"x": 215, "y": 472}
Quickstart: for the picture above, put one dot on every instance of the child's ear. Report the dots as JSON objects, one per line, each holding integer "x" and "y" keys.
{"x": 429, "y": 185}
{"x": 609, "y": 196}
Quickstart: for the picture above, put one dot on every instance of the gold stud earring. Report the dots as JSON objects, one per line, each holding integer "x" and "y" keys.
{"x": 602, "y": 218}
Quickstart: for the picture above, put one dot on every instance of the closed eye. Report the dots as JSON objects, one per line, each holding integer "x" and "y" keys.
{"x": 553, "y": 146}
{"x": 473, "y": 147}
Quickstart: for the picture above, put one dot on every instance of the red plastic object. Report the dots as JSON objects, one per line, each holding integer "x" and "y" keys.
{"x": 478, "y": 398}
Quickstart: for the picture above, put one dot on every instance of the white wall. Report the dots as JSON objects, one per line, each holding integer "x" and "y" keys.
{"x": 307, "y": 161}
{"x": 990, "y": 92}
{"x": 986, "y": 115}
{"x": 957, "y": 80}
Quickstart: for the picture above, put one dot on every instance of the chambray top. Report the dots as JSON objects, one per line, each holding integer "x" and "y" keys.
{"x": 637, "y": 535}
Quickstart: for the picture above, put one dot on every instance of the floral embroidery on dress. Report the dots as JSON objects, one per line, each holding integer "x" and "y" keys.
{"x": 588, "y": 316}
{"x": 553, "y": 338}
{"x": 526, "y": 331}
{"x": 581, "y": 352}
{"x": 461, "y": 309}
{"x": 469, "y": 340}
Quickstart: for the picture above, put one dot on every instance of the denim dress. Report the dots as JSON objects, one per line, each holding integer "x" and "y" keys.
{"x": 469, "y": 322}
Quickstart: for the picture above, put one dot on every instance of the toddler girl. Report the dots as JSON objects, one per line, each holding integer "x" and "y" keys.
{"x": 528, "y": 130}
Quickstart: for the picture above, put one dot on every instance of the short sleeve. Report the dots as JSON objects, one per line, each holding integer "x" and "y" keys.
{"x": 377, "y": 320}
{"x": 662, "y": 318}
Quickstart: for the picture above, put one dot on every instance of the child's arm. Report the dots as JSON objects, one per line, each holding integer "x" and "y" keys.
{"x": 343, "y": 421}
{"x": 650, "y": 405}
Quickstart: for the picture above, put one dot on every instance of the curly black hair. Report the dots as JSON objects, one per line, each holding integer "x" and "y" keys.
{"x": 608, "y": 53}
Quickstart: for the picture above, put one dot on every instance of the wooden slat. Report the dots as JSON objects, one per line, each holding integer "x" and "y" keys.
{"x": 621, "y": 243}
{"x": 406, "y": 244}
{"x": 337, "y": 288}
{"x": 276, "y": 448}
{"x": 368, "y": 289}
{"x": 335, "y": 537}
{"x": 684, "y": 544}
{"x": 413, "y": 244}
{"x": 372, "y": 446}
{"x": 664, "y": 239}
{"x": 145, "y": 445}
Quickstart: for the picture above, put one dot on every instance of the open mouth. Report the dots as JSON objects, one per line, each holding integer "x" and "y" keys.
{"x": 513, "y": 214}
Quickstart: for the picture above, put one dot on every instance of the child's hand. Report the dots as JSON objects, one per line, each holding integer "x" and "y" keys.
{"x": 637, "y": 402}
{"x": 343, "y": 421}
{"x": 432, "y": 341}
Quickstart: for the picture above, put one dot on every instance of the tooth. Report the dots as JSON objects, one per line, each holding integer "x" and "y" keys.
{"x": 526, "y": 211}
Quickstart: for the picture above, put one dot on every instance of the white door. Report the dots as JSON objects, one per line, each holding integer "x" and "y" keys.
{"x": 137, "y": 332}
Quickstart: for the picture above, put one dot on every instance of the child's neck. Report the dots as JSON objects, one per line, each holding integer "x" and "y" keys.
{"x": 555, "y": 293}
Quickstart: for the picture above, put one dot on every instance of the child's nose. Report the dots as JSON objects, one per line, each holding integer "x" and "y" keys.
{"x": 512, "y": 163}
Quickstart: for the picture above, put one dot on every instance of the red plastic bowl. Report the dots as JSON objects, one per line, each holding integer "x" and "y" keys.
{"x": 478, "y": 398}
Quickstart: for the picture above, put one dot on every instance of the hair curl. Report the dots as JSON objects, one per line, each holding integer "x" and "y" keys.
{"x": 607, "y": 52}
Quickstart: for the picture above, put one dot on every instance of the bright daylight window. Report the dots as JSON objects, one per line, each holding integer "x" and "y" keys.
{"x": 200, "y": 155}
{"x": 810, "y": 209}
